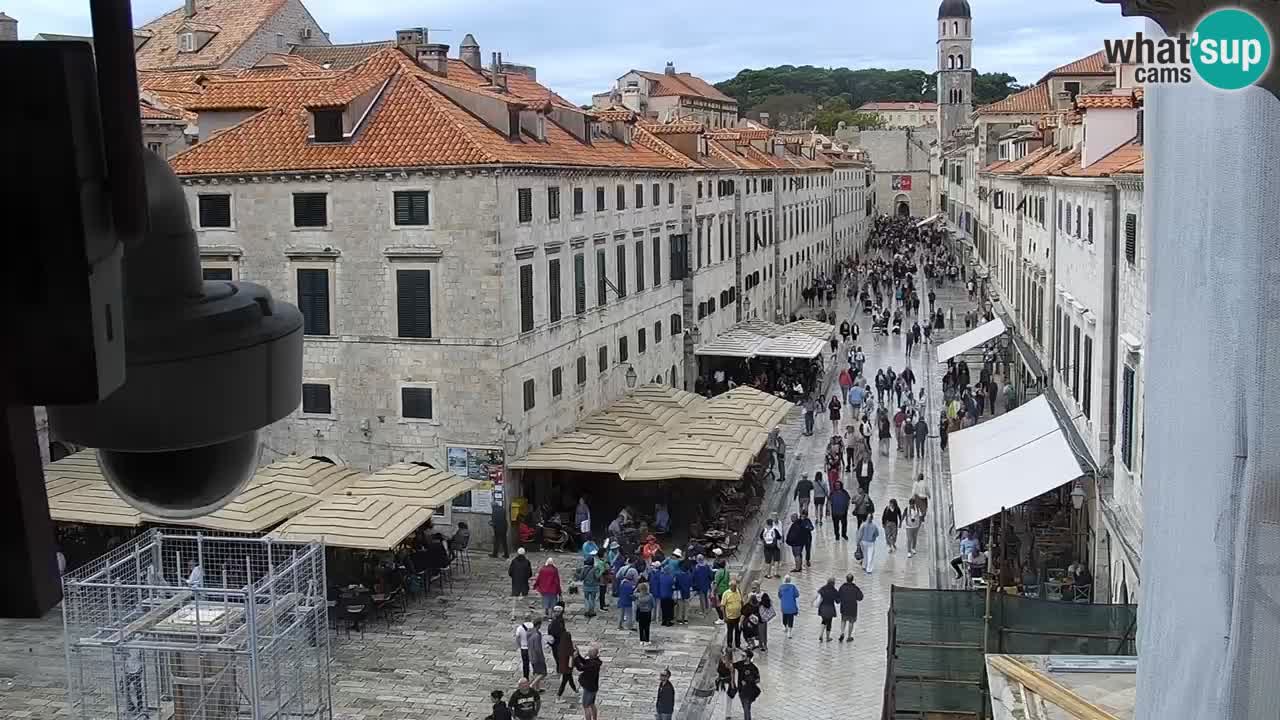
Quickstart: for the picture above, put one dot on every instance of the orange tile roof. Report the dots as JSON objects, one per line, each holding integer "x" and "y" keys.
{"x": 684, "y": 84}
{"x": 411, "y": 125}
{"x": 1074, "y": 117}
{"x": 755, "y": 133}
{"x": 1138, "y": 94}
{"x": 1015, "y": 167}
{"x": 993, "y": 167}
{"x": 149, "y": 111}
{"x": 282, "y": 65}
{"x": 340, "y": 57}
{"x": 1095, "y": 64}
{"x": 1113, "y": 162}
{"x": 614, "y": 115}
{"x": 235, "y": 21}
{"x": 644, "y": 138}
{"x": 680, "y": 127}
{"x": 898, "y": 105}
{"x": 1136, "y": 167}
{"x": 1034, "y": 99}
{"x": 1052, "y": 163}
{"x": 1106, "y": 101}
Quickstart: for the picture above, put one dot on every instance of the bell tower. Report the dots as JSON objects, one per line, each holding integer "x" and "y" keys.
{"x": 955, "y": 66}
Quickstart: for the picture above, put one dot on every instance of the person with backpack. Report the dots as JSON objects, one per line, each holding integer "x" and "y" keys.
{"x": 863, "y": 507}
{"x": 590, "y": 580}
{"x": 819, "y": 497}
{"x": 702, "y": 573}
{"x": 720, "y": 581}
{"x": 771, "y": 536}
{"x": 747, "y": 677}
{"x": 626, "y": 603}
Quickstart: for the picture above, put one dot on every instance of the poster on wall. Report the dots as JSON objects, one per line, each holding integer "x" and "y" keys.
{"x": 901, "y": 182}
{"x": 483, "y": 464}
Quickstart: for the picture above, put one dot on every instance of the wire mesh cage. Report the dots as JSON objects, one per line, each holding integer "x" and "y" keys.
{"x": 198, "y": 626}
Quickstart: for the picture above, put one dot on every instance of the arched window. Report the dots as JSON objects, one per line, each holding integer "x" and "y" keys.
{"x": 951, "y": 62}
{"x": 955, "y": 27}
{"x": 960, "y": 60}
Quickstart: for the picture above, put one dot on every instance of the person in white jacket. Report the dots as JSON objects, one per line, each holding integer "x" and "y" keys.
{"x": 912, "y": 521}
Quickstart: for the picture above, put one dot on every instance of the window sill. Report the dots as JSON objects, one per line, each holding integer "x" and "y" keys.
{"x": 325, "y": 338}
{"x": 317, "y": 416}
{"x": 417, "y": 421}
{"x": 410, "y": 228}
{"x": 217, "y": 229}
{"x": 309, "y": 228}
{"x": 417, "y": 340}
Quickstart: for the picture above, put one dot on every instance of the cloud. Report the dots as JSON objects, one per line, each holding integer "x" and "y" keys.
{"x": 580, "y": 49}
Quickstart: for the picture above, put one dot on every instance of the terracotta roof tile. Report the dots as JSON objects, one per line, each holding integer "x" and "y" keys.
{"x": 674, "y": 128}
{"x": 898, "y": 105}
{"x": 1095, "y": 64}
{"x": 1106, "y": 101}
{"x": 614, "y": 115}
{"x": 683, "y": 84}
{"x": 235, "y": 22}
{"x": 1138, "y": 94}
{"x": 645, "y": 138}
{"x": 1015, "y": 167}
{"x": 995, "y": 166}
{"x": 339, "y": 57}
{"x": 1111, "y": 163}
{"x": 282, "y": 65}
{"x": 1034, "y": 99}
{"x": 1052, "y": 163}
{"x": 149, "y": 111}
{"x": 412, "y": 125}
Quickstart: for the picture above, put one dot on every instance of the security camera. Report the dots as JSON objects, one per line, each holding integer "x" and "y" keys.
{"x": 207, "y": 364}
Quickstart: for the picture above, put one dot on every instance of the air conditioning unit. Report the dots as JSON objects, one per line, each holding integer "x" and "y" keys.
{"x": 306, "y": 33}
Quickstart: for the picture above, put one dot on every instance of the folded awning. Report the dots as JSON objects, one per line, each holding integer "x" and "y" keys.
{"x": 737, "y": 343}
{"x": 1008, "y": 460}
{"x": 809, "y": 326}
{"x": 970, "y": 340}
{"x": 792, "y": 346}
{"x": 926, "y": 221}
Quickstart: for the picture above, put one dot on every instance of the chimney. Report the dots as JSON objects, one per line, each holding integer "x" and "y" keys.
{"x": 497, "y": 78}
{"x": 8, "y": 28}
{"x": 409, "y": 39}
{"x": 469, "y": 52}
{"x": 764, "y": 119}
{"x": 191, "y": 8}
{"x": 671, "y": 69}
{"x": 434, "y": 58}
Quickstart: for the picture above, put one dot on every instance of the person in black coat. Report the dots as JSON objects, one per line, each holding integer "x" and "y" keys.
{"x": 799, "y": 535}
{"x": 520, "y": 572}
{"x": 849, "y": 596}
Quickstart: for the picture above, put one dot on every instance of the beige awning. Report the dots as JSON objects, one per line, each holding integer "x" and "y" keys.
{"x": 810, "y": 327}
{"x": 412, "y": 484}
{"x": 760, "y": 327}
{"x": 364, "y": 523}
{"x": 796, "y": 345}
{"x": 257, "y": 509}
{"x": 581, "y": 452}
{"x": 307, "y": 476}
{"x": 664, "y": 395}
{"x": 78, "y": 493}
{"x": 644, "y": 412}
{"x": 691, "y": 457}
{"x": 731, "y": 343}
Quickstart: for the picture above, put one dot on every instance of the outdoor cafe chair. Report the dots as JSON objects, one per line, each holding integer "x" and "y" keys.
{"x": 1082, "y": 593}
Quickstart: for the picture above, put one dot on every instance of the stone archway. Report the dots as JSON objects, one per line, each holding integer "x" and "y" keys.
{"x": 902, "y": 206}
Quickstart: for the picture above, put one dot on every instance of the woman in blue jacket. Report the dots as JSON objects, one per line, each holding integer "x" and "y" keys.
{"x": 684, "y": 591}
{"x": 626, "y": 589}
{"x": 702, "y": 582}
{"x": 664, "y": 584}
{"x": 789, "y": 601}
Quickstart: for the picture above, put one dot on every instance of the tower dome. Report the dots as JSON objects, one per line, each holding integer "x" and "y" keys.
{"x": 954, "y": 9}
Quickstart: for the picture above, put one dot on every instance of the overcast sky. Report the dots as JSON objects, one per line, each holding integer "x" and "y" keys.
{"x": 580, "y": 48}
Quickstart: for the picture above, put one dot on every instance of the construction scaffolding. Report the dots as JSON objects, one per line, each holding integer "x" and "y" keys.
{"x": 939, "y": 639}
{"x": 198, "y": 626}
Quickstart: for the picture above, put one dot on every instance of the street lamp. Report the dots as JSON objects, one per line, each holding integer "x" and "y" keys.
{"x": 1077, "y": 496}
{"x": 696, "y": 334}
{"x": 631, "y": 376}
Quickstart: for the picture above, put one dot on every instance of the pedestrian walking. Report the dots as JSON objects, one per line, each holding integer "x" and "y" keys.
{"x": 701, "y": 576}
{"x": 522, "y": 645}
{"x": 589, "y": 677}
{"x": 796, "y": 539}
{"x": 912, "y": 520}
{"x": 731, "y": 603}
{"x": 537, "y": 655}
{"x": 525, "y": 702}
{"x": 864, "y": 471}
{"x": 810, "y": 407}
{"x": 920, "y": 493}
{"x": 849, "y": 596}
{"x": 498, "y": 520}
{"x": 547, "y": 584}
{"x": 834, "y": 408}
{"x": 520, "y": 572}
{"x": 909, "y": 435}
{"x": 666, "y": 705}
{"x": 771, "y": 537}
{"x": 720, "y": 582}
{"x": 780, "y": 454}
{"x": 921, "y": 434}
{"x": 863, "y": 507}
{"x": 884, "y": 431}
{"x": 684, "y": 592}
{"x": 891, "y": 518}
{"x": 643, "y": 602}
{"x": 819, "y": 497}
{"x": 747, "y": 677}
{"x": 562, "y": 648}
{"x": 804, "y": 489}
{"x": 826, "y": 601}
{"x": 764, "y": 612}
{"x": 789, "y": 603}
{"x": 868, "y": 533}
{"x": 840, "y": 511}
{"x": 807, "y": 524}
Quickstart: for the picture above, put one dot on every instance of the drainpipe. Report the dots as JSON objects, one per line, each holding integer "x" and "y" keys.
{"x": 1052, "y": 286}
{"x": 1113, "y": 307}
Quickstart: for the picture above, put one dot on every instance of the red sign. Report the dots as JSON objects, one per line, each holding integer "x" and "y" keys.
{"x": 901, "y": 182}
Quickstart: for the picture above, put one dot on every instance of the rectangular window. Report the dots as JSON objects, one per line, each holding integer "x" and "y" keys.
{"x": 526, "y": 298}
{"x": 721, "y": 256}
{"x": 557, "y": 381}
{"x": 579, "y": 284}
{"x": 553, "y": 289}
{"x": 310, "y": 209}
{"x": 553, "y": 203}
{"x": 415, "y": 402}
{"x": 655, "y": 195}
{"x": 602, "y": 279}
{"x": 602, "y": 358}
{"x": 622, "y": 349}
{"x": 1078, "y": 209}
{"x": 641, "y": 341}
{"x": 530, "y": 395}
{"x": 578, "y": 207}
{"x": 215, "y": 211}
{"x": 675, "y": 324}
{"x": 699, "y": 251}
{"x": 1086, "y": 403}
{"x": 582, "y": 369}
{"x": 600, "y": 198}
{"x": 1126, "y": 419}
{"x": 622, "y": 270}
{"x": 219, "y": 273}
{"x": 1089, "y": 227}
{"x": 622, "y": 198}
{"x": 313, "y": 300}
{"x": 671, "y": 193}
{"x": 317, "y": 399}
{"x": 411, "y": 207}
{"x": 639, "y": 196}
{"x": 1075, "y": 362}
{"x": 657, "y": 331}
{"x": 1059, "y": 214}
{"x": 1131, "y": 238}
{"x": 657, "y": 261}
{"x": 699, "y": 189}
{"x": 524, "y": 197}
{"x": 413, "y": 303}
{"x": 328, "y": 125}
{"x": 639, "y": 266}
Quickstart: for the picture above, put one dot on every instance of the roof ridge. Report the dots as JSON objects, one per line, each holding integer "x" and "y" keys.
{"x": 223, "y": 133}
{"x": 429, "y": 94}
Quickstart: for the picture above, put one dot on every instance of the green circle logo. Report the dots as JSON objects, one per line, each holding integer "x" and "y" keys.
{"x": 1231, "y": 49}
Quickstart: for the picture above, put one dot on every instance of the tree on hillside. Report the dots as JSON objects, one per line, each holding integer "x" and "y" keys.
{"x": 991, "y": 87}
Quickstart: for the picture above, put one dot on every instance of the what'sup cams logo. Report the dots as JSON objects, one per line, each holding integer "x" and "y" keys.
{"x": 1230, "y": 49}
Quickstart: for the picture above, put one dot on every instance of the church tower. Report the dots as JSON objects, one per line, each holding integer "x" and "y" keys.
{"x": 955, "y": 67}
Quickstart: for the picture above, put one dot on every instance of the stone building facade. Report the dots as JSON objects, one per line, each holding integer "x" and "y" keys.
{"x": 670, "y": 96}
{"x": 224, "y": 34}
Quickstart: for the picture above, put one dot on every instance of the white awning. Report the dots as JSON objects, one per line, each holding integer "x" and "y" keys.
{"x": 970, "y": 340}
{"x": 1007, "y": 461}
{"x": 792, "y": 346}
{"x": 732, "y": 343}
{"x": 926, "y": 221}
